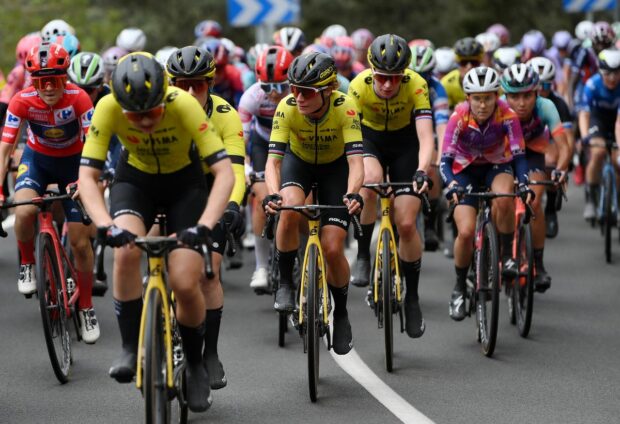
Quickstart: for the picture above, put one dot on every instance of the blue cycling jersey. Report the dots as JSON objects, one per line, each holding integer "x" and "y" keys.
{"x": 438, "y": 98}
{"x": 600, "y": 101}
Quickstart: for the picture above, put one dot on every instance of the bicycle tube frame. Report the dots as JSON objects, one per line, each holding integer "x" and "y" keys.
{"x": 483, "y": 219}
{"x": 386, "y": 223}
{"x": 156, "y": 282}
{"x": 519, "y": 213}
{"x": 608, "y": 168}
{"x": 314, "y": 240}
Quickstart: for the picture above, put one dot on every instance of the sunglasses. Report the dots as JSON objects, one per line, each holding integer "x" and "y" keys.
{"x": 471, "y": 62}
{"x": 151, "y": 114}
{"x": 607, "y": 73}
{"x": 198, "y": 85}
{"x": 306, "y": 92}
{"x": 546, "y": 85}
{"x": 52, "y": 81}
{"x": 383, "y": 78}
{"x": 278, "y": 87}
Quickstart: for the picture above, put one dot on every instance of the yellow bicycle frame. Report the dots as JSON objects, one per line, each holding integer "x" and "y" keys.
{"x": 386, "y": 223}
{"x": 156, "y": 282}
{"x": 314, "y": 240}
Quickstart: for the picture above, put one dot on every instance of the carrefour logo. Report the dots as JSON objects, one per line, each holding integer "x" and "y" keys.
{"x": 64, "y": 115}
{"x": 12, "y": 121}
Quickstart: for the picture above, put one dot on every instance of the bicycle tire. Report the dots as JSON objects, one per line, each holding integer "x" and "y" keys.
{"x": 53, "y": 313}
{"x": 488, "y": 311}
{"x": 386, "y": 298}
{"x": 607, "y": 201}
{"x": 157, "y": 405}
{"x": 181, "y": 411}
{"x": 523, "y": 293}
{"x": 313, "y": 321}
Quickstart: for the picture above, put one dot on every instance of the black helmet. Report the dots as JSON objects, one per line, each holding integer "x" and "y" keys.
{"x": 191, "y": 61}
{"x": 139, "y": 82}
{"x": 312, "y": 70}
{"x": 389, "y": 52}
{"x": 468, "y": 49}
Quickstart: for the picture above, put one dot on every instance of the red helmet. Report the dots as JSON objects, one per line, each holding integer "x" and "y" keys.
{"x": 24, "y": 45}
{"x": 272, "y": 64}
{"x": 343, "y": 56}
{"x": 48, "y": 56}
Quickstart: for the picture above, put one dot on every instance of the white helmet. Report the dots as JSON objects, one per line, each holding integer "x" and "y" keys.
{"x": 445, "y": 60}
{"x": 132, "y": 39}
{"x": 544, "y": 67}
{"x": 583, "y": 30}
{"x": 505, "y": 56}
{"x": 334, "y": 31}
{"x": 163, "y": 54}
{"x": 229, "y": 45}
{"x": 56, "y": 27}
{"x": 292, "y": 39}
{"x": 481, "y": 80}
{"x": 490, "y": 41}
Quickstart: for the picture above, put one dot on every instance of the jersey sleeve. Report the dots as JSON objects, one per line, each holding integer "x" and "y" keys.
{"x": 101, "y": 129}
{"x": 516, "y": 144}
{"x": 551, "y": 117}
{"x": 280, "y": 130}
{"x": 232, "y": 135}
{"x": 587, "y": 97}
{"x": 246, "y": 113}
{"x": 15, "y": 115}
{"x": 84, "y": 109}
{"x": 441, "y": 108}
{"x": 422, "y": 108}
{"x": 351, "y": 129}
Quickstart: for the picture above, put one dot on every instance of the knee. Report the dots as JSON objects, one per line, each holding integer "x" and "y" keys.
{"x": 407, "y": 228}
{"x": 504, "y": 206}
{"x": 466, "y": 234}
{"x": 126, "y": 258}
{"x": 288, "y": 222}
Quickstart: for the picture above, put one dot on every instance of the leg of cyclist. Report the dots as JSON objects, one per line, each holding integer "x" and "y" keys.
{"x": 25, "y": 217}
{"x": 261, "y": 245}
{"x": 431, "y": 241}
{"x": 465, "y": 219}
{"x": 551, "y": 217}
{"x": 593, "y": 175}
{"x": 503, "y": 182}
{"x": 542, "y": 280}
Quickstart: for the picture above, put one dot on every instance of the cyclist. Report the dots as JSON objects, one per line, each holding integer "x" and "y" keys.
{"x": 362, "y": 38}
{"x": 398, "y": 139}
{"x": 256, "y": 109}
{"x": 469, "y": 54}
{"x": 157, "y": 126}
{"x": 505, "y": 57}
{"x": 540, "y": 125}
{"x": 533, "y": 44}
{"x": 58, "y": 116}
{"x": 597, "y": 116}
{"x": 292, "y": 39}
{"x": 423, "y": 62}
{"x": 131, "y": 39}
{"x": 56, "y": 27}
{"x": 227, "y": 81}
{"x": 192, "y": 69}
{"x": 502, "y": 32}
{"x": 446, "y": 62}
{"x": 315, "y": 138}
{"x": 110, "y": 58}
{"x": 482, "y": 139}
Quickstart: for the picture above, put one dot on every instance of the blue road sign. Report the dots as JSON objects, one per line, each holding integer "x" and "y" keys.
{"x": 588, "y": 5}
{"x": 256, "y": 12}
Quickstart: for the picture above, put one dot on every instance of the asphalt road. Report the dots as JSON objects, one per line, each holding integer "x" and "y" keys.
{"x": 566, "y": 371}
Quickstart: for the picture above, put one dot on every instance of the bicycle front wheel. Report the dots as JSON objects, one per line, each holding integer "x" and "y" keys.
{"x": 313, "y": 321}
{"x": 523, "y": 290}
{"x": 488, "y": 291}
{"x": 607, "y": 218}
{"x": 51, "y": 305}
{"x": 387, "y": 296}
{"x": 157, "y": 407}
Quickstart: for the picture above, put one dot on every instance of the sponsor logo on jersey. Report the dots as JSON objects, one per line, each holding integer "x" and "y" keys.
{"x": 54, "y": 133}
{"x": 86, "y": 117}
{"x": 223, "y": 109}
{"x": 203, "y": 127}
{"x": 35, "y": 114}
{"x": 240, "y": 133}
{"x": 64, "y": 115}
{"x": 351, "y": 112}
{"x": 340, "y": 100}
{"x": 133, "y": 139}
{"x": 22, "y": 169}
{"x": 12, "y": 121}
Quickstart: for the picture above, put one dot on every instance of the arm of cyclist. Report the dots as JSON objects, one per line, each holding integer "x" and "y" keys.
{"x": 584, "y": 123}
{"x": 12, "y": 124}
{"x": 352, "y": 199}
{"x": 424, "y": 128}
{"x": 272, "y": 179}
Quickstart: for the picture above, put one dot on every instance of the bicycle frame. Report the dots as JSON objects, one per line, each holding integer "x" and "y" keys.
{"x": 386, "y": 224}
{"x": 608, "y": 168}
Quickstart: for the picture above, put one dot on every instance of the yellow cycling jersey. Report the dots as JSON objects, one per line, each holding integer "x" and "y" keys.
{"x": 411, "y": 102}
{"x": 167, "y": 148}
{"x": 452, "y": 83}
{"x": 227, "y": 124}
{"x": 317, "y": 141}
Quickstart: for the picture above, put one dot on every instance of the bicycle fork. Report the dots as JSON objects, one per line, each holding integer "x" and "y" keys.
{"x": 313, "y": 240}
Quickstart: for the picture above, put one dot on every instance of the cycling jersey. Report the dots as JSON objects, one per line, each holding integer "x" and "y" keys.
{"x": 58, "y": 130}
{"x": 17, "y": 80}
{"x": 256, "y": 111}
{"x": 317, "y": 141}
{"x": 452, "y": 84}
{"x": 497, "y": 141}
{"x": 167, "y": 148}
{"x": 562, "y": 108}
{"x": 438, "y": 99}
{"x": 229, "y": 85}
{"x": 600, "y": 101}
{"x": 227, "y": 125}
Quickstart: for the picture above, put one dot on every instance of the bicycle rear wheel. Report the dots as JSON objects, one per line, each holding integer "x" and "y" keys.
{"x": 488, "y": 291}
{"x": 523, "y": 289}
{"x": 51, "y": 305}
{"x": 386, "y": 298}
{"x": 157, "y": 406}
{"x": 607, "y": 219}
{"x": 313, "y": 321}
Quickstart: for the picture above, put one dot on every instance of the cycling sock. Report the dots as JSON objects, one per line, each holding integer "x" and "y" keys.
{"x": 461, "y": 278}
{"x": 431, "y": 220}
{"x": 363, "y": 242}
{"x": 551, "y": 201}
{"x": 340, "y": 299}
{"x": 261, "y": 251}
{"x": 212, "y": 331}
{"x": 128, "y": 315}
{"x": 592, "y": 193}
{"x": 286, "y": 261}
{"x": 85, "y": 283}
{"x": 411, "y": 272}
{"x": 538, "y": 259}
{"x": 26, "y": 251}
{"x": 193, "y": 340}
{"x": 505, "y": 240}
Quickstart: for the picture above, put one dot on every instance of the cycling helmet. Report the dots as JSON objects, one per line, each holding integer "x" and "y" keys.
{"x": 217, "y": 50}
{"x": 602, "y": 35}
{"x": 312, "y": 70}
{"x": 616, "y": 27}
{"x": 502, "y": 33}
{"x": 86, "y": 70}
{"x": 208, "y": 28}
{"x": 292, "y": 39}
{"x": 505, "y": 57}
{"x": 163, "y": 54}
{"x": 534, "y": 41}
{"x": 421, "y": 42}
{"x": 273, "y": 63}
{"x": 131, "y": 39}
{"x": 519, "y": 78}
{"x": 481, "y": 79}
{"x": 47, "y": 59}
{"x": 609, "y": 60}
{"x": 544, "y": 67}
{"x": 191, "y": 61}
{"x": 344, "y": 41}
{"x": 490, "y": 42}
{"x": 229, "y": 45}
{"x": 24, "y": 45}
{"x": 561, "y": 39}
{"x": 318, "y": 48}
{"x": 69, "y": 42}
{"x": 389, "y": 52}
{"x": 362, "y": 38}
{"x": 139, "y": 82}
{"x": 445, "y": 60}
{"x": 254, "y": 52}
{"x": 111, "y": 57}
{"x": 56, "y": 27}
{"x": 343, "y": 56}
{"x": 334, "y": 31}
{"x": 422, "y": 59}
{"x": 583, "y": 29}
{"x": 468, "y": 49}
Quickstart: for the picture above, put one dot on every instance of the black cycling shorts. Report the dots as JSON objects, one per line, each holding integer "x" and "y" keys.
{"x": 258, "y": 154}
{"x": 602, "y": 126}
{"x": 331, "y": 179}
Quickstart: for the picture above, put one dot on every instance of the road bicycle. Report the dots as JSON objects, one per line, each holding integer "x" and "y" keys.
{"x": 607, "y": 210}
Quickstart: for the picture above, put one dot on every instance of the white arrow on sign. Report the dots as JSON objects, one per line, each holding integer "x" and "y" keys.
{"x": 249, "y": 10}
{"x": 279, "y": 9}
